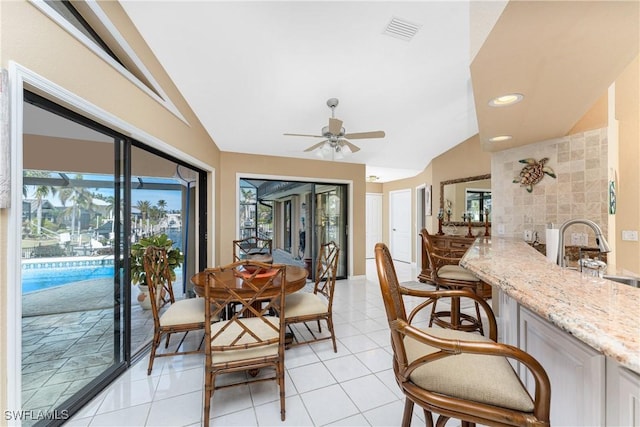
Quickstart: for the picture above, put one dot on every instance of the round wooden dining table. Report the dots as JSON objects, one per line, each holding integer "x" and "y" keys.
{"x": 296, "y": 278}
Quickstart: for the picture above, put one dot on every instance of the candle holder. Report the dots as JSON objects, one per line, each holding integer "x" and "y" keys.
{"x": 469, "y": 234}
{"x": 440, "y": 215}
{"x": 486, "y": 223}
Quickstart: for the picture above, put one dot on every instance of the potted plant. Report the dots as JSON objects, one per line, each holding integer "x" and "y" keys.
{"x": 136, "y": 260}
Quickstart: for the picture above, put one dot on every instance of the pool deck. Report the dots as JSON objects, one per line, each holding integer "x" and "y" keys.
{"x": 67, "y": 339}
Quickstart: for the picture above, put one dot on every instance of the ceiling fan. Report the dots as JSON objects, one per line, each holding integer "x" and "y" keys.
{"x": 336, "y": 139}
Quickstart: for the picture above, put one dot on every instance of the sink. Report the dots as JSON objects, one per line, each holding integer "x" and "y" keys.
{"x": 631, "y": 281}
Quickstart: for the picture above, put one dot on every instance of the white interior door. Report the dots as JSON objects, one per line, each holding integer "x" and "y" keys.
{"x": 421, "y": 219}
{"x": 374, "y": 222}
{"x": 400, "y": 223}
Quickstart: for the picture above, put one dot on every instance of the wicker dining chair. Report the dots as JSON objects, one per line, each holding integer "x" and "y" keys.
{"x": 253, "y": 337}
{"x": 457, "y": 374}
{"x": 169, "y": 316}
{"x": 302, "y": 307}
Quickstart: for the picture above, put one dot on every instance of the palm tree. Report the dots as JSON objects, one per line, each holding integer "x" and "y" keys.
{"x": 81, "y": 198}
{"x": 42, "y": 192}
{"x": 143, "y": 206}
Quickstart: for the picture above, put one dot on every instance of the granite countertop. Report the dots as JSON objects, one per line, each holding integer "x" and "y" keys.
{"x": 601, "y": 313}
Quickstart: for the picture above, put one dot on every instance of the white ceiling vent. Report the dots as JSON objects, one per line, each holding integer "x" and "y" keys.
{"x": 401, "y": 29}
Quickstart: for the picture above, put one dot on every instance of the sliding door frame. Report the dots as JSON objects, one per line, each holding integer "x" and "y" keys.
{"x": 22, "y": 79}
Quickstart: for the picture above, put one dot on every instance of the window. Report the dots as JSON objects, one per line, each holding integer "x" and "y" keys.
{"x": 478, "y": 203}
{"x": 71, "y": 14}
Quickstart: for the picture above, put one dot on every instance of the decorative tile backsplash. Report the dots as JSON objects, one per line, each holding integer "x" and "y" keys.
{"x": 578, "y": 191}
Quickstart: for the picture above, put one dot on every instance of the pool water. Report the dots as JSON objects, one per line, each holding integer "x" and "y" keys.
{"x": 35, "y": 279}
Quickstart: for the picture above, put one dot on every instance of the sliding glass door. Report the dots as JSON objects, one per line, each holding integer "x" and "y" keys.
{"x": 73, "y": 282}
{"x": 89, "y": 193}
{"x": 300, "y": 216}
{"x": 330, "y": 220}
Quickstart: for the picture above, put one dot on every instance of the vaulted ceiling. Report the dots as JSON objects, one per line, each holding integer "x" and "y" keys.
{"x": 253, "y": 71}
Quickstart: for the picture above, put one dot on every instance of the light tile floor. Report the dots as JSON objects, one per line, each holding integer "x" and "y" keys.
{"x": 353, "y": 387}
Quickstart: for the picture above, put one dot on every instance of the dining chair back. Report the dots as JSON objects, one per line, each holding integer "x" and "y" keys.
{"x": 252, "y": 338}
{"x": 447, "y": 273}
{"x": 243, "y": 248}
{"x": 302, "y": 307}
{"x": 452, "y": 373}
{"x": 169, "y": 316}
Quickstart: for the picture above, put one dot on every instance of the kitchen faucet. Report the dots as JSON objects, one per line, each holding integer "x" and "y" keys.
{"x": 600, "y": 240}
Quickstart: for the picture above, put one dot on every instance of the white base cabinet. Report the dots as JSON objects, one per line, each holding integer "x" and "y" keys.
{"x": 587, "y": 388}
{"x": 576, "y": 372}
{"x": 623, "y": 396}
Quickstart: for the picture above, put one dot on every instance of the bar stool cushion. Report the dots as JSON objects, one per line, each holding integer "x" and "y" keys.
{"x": 455, "y": 272}
{"x": 489, "y": 380}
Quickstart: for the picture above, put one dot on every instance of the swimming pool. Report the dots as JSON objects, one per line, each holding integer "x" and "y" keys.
{"x": 39, "y": 274}
{"x": 43, "y": 273}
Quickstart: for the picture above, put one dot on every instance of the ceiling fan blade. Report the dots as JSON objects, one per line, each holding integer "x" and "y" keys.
{"x": 335, "y": 126}
{"x": 351, "y": 146}
{"x": 314, "y": 146}
{"x": 363, "y": 135}
{"x": 303, "y": 134}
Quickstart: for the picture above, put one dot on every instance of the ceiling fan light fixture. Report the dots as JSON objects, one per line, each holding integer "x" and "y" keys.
{"x": 506, "y": 100}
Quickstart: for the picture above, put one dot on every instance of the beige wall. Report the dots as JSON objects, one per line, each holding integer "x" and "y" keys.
{"x": 627, "y": 217}
{"x": 463, "y": 160}
{"x": 32, "y": 40}
{"x": 235, "y": 165}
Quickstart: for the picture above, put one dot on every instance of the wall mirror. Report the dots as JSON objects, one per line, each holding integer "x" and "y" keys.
{"x": 464, "y": 197}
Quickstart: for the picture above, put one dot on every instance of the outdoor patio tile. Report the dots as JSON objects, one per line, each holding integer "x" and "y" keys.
{"x": 69, "y": 329}
{"x": 59, "y": 345}
{"x": 35, "y": 380}
{"x": 45, "y": 395}
{"x": 57, "y": 338}
{"x": 89, "y": 360}
{"x": 42, "y": 366}
{"x": 76, "y": 375}
{"x": 32, "y": 358}
{"x": 80, "y": 349}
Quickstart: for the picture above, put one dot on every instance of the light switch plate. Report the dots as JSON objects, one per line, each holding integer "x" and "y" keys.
{"x": 630, "y": 235}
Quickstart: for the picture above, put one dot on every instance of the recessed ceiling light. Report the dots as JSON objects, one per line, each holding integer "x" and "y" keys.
{"x": 504, "y": 100}
{"x": 500, "y": 138}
